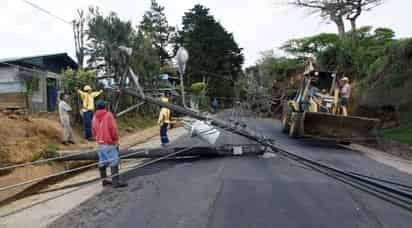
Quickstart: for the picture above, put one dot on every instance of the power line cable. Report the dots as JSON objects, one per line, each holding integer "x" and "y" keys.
{"x": 43, "y": 161}
{"x": 47, "y": 12}
{"x": 4, "y": 188}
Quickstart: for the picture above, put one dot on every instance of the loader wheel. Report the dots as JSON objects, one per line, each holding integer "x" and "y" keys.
{"x": 285, "y": 118}
{"x": 292, "y": 129}
{"x": 285, "y": 124}
{"x": 294, "y": 126}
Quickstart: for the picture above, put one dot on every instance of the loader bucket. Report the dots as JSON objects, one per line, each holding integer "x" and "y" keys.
{"x": 338, "y": 128}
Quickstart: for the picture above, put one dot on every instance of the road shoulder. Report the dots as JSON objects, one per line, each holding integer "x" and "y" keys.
{"x": 42, "y": 209}
{"x": 398, "y": 163}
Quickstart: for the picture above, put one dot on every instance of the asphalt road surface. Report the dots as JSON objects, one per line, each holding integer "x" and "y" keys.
{"x": 245, "y": 191}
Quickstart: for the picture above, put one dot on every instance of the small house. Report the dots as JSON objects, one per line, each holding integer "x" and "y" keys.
{"x": 32, "y": 82}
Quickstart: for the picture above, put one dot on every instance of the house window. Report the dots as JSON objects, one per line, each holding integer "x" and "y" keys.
{"x": 11, "y": 87}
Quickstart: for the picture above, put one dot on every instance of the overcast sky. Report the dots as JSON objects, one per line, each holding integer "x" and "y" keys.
{"x": 257, "y": 25}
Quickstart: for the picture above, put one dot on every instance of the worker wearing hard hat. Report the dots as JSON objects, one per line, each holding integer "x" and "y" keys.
{"x": 164, "y": 120}
{"x": 87, "y": 96}
{"x": 344, "y": 95}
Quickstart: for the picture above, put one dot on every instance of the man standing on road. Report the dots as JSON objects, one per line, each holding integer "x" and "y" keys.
{"x": 64, "y": 109}
{"x": 107, "y": 137}
{"x": 344, "y": 95}
{"x": 215, "y": 105}
{"x": 164, "y": 120}
{"x": 88, "y": 96}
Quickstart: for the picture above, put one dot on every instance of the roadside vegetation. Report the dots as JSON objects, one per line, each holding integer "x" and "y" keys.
{"x": 378, "y": 64}
{"x": 215, "y": 58}
{"x": 400, "y": 134}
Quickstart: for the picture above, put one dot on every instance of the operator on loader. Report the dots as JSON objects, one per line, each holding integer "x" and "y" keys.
{"x": 344, "y": 95}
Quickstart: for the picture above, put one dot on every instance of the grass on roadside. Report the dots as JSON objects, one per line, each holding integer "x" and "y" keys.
{"x": 130, "y": 122}
{"x": 401, "y": 134}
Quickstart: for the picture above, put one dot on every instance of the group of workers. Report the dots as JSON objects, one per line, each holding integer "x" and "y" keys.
{"x": 100, "y": 126}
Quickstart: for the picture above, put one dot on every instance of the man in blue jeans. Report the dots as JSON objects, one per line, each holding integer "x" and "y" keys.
{"x": 215, "y": 105}
{"x": 164, "y": 120}
{"x": 107, "y": 138}
{"x": 88, "y": 96}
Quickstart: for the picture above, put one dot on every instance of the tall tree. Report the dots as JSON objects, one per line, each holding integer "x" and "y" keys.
{"x": 104, "y": 35}
{"x": 331, "y": 10}
{"x": 215, "y": 57}
{"x": 145, "y": 60}
{"x": 354, "y": 9}
{"x": 339, "y": 10}
{"x": 156, "y": 27}
{"x": 79, "y": 32}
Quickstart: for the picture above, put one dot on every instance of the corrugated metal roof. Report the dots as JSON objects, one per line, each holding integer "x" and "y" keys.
{"x": 40, "y": 60}
{"x": 22, "y": 58}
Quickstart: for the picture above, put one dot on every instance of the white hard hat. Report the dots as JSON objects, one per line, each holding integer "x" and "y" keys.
{"x": 345, "y": 79}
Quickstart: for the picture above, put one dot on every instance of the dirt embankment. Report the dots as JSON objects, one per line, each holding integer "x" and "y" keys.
{"x": 24, "y": 139}
{"x": 387, "y": 89}
{"x": 29, "y": 138}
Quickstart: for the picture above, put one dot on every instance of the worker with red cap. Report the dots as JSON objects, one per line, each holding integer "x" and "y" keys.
{"x": 107, "y": 138}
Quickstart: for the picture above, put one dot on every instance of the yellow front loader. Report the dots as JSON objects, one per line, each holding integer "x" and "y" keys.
{"x": 314, "y": 112}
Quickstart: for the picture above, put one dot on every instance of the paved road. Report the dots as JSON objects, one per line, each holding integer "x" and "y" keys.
{"x": 244, "y": 192}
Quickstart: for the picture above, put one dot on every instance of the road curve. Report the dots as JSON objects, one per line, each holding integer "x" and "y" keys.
{"x": 244, "y": 192}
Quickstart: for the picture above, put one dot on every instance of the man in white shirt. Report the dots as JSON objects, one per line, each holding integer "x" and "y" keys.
{"x": 344, "y": 95}
{"x": 64, "y": 109}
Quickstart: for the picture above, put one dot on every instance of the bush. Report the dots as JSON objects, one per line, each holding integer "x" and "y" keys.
{"x": 132, "y": 121}
{"x": 50, "y": 151}
{"x": 198, "y": 87}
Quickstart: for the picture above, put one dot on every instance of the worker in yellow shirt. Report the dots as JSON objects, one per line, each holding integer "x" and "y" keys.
{"x": 88, "y": 96}
{"x": 164, "y": 120}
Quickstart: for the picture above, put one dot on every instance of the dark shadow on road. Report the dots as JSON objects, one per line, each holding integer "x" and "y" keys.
{"x": 162, "y": 166}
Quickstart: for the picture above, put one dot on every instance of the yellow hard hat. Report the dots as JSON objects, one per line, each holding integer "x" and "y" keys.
{"x": 164, "y": 99}
{"x": 87, "y": 88}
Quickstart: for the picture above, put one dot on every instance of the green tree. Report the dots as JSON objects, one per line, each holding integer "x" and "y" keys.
{"x": 215, "y": 57}
{"x": 145, "y": 60}
{"x": 332, "y": 53}
{"x": 73, "y": 80}
{"x": 155, "y": 27}
{"x": 310, "y": 46}
{"x": 104, "y": 35}
{"x": 272, "y": 67}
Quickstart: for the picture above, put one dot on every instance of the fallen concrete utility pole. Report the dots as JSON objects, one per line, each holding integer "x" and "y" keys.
{"x": 226, "y": 150}
{"x": 182, "y": 110}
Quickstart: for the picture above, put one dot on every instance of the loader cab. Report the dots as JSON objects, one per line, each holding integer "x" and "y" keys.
{"x": 316, "y": 92}
{"x": 313, "y": 113}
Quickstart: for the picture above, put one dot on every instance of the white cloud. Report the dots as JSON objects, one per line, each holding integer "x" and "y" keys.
{"x": 257, "y": 25}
